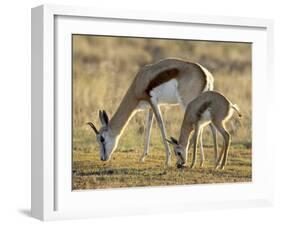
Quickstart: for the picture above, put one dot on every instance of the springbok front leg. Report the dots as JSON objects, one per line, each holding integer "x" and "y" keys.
{"x": 150, "y": 117}
{"x": 201, "y": 147}
{"x": 215, "y": 137}
{"x": 200, "y": 141}
{"x": 155, "y": 108}
{"x": 196, "y": 136}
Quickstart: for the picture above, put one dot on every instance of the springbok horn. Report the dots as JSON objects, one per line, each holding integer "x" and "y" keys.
{"x": 93, "y": 127}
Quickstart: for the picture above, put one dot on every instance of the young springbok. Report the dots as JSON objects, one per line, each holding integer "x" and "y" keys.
{"x": 170, "y": 81}
{"x": 208, "y": 107}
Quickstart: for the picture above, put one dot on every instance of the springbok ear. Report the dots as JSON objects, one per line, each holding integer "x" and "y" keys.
{"x": 174, "y": 140}
{"x": 103, "y": 118}
{"x": 93, "y": 127}
{"x": 100, "y": 116}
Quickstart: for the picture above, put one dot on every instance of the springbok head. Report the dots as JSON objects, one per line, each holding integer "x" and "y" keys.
{"x": 104, "y": 137}
{"x": 179, "y": 151}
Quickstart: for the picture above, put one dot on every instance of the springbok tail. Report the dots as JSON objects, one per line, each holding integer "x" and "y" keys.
{"x": 236, "y": 108}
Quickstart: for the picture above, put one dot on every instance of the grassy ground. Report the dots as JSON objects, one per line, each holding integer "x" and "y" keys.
{"x": 104, "y": 67}
{"x": 124, "y": 170}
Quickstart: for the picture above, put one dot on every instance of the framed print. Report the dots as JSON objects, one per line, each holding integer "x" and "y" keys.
{"x": 137, "y": 112}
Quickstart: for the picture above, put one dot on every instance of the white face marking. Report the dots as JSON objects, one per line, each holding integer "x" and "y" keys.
{"x": 180, "y": 153}
{"x": 106, "y": 142}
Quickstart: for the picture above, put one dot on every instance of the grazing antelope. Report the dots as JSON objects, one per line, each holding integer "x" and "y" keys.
{"x": 170, "y": 81}
{"x": 208, "y": 107}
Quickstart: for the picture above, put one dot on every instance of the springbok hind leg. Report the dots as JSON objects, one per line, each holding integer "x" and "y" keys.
{"x": 158, "y": 115}
{"x": 220, "y": 155}
{"x": 226, "y": 141}
{"x": 147, "y": 134}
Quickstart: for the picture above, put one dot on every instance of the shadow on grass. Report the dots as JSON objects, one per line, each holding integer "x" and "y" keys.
{"x": 118, "y": 171}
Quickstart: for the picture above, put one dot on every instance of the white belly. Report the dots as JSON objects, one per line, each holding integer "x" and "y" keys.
{"x": 165, "y": 94}
{"x": 205, "y": 118}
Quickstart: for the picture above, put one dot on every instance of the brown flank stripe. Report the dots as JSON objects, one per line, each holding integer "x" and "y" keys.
{"x": 161, "y": 78}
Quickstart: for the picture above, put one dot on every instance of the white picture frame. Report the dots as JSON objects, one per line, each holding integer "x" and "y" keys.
{"x": 52, "y": 197}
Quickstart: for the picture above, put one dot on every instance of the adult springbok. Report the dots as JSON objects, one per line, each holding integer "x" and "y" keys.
{"x": 208, "y": 107}
{"x": 169, "y": 81}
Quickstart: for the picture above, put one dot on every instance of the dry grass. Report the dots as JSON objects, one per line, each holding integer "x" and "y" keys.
{"x": 124, "y": 170}
{"x": 103, "y": 68}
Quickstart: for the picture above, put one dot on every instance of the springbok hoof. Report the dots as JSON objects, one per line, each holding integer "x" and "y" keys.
{"x": 168, "y": 163}
{"x": 222, "y": 167}
{"x": 180, "y": 166}
{"x": 192, "y": 166}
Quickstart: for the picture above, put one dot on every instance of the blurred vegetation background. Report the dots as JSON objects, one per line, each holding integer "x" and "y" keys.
{"x": 104, "y": 67}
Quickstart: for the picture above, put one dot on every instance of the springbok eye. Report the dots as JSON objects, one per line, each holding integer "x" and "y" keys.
{"x": 178, "y": 153}
{"x": 101, "y": 139}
